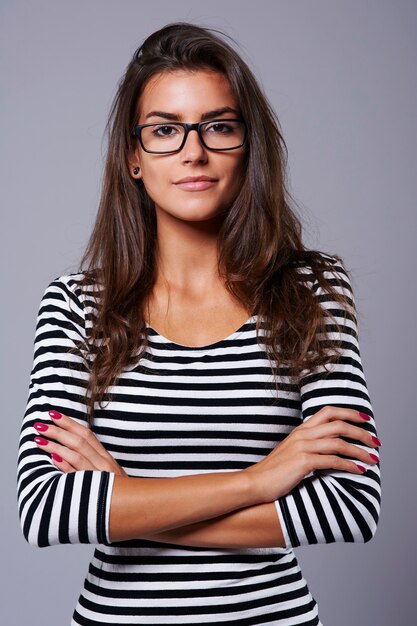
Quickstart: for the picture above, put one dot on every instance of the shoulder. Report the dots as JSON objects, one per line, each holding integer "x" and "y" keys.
{"x": 75, "y": 286}
{"x": 71, "y": 296}
{"x": 325, "y": 272}
{"x": 338, "y": 277}
{"x": 64, "y": 288}
{"x": 328, "y": 280}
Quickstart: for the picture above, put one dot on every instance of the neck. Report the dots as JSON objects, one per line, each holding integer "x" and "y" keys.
{"x": 187, "y": 254}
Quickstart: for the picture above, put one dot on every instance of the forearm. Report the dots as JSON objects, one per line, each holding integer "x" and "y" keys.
{"x": 253, "y": 527}
{"x": 144, "y": 506}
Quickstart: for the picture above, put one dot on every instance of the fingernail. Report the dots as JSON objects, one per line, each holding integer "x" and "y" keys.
{"x": 364, "y": 416}
{"x": 55, "y": 415}
{"x": 40, "y": 427}
{"x": 56, "y": 457}
{"x": 376, "y": 440}
{"x": 374, "y": 457}
{"x": 41, "y": 441}
{"x": 361, "y": 467}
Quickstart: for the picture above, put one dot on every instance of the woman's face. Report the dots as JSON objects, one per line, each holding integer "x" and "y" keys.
{"x": 190, "y": 96}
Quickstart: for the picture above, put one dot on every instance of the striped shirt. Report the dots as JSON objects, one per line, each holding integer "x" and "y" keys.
{"x": 189, "y": 410}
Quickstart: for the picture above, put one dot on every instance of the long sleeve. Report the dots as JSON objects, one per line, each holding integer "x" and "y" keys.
{"x": 330, "y": 505}
{"x": 55, "y": 507}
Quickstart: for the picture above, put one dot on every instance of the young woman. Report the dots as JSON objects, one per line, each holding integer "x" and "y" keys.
{"x": 197, "y": 404}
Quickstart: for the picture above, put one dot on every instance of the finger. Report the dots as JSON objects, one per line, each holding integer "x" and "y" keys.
{"x": 71, "y": 425}
{"x": 324, "y": 462}
{"x": 330, "y": 413}
{"x": 340, "y": 447}
{"x": 339, "y": 428}
{"x": 87, "y": 440}
{"x": 62, "y": 465}
{"x": 79, "y": 454}
{"x": 74, "y": 458}
{"x": 65, "y": 437}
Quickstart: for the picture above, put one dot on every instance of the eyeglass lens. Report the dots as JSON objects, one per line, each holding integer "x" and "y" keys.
{"x": 220, "y": 135}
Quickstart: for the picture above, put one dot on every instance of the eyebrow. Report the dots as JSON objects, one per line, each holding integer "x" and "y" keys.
{"x": 205, "y": 116}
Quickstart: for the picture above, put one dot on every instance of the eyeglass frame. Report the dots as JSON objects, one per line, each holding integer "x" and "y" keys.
{"x": 137, "y": 132}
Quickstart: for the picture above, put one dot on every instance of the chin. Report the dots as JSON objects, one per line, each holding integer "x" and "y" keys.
{"x": 194, "y": 213}
{"x": 201, "y": 216}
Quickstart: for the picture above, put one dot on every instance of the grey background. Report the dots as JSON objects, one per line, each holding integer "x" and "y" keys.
{"x": 342, "y": 78}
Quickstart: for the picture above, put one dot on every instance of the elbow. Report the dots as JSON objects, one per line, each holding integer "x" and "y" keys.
{"x": 365, "y": 535}
{"x": 33, "y": 537}
{"x": 371, "y": 530}
{"x": 36, "y": 516}
{"x": 34, "y": 543}
{"x": 368, "y": 538}
{"x": 366, "y": 527}
{"x": 372, "y": 517}
{"x": 364, "y": 508}
{"x": 358, "y": 533}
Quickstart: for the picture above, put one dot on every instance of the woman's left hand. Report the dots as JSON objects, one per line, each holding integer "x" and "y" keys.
{"x": 73, "y": 446}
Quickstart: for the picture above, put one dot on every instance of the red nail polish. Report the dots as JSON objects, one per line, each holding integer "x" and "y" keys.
{"x": 55, "y": 415}
{"x": 374, "y": 457}
{"x": 41, "y": 441}
{"x": 40, "y": 427}
{"x": 365, "y": 416}
{"x": 361, "y": 467}
{"x": 56, "y": 457}
{"x": 376, "y": 440}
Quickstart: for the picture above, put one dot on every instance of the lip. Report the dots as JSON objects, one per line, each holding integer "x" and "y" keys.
{"x": 195, "y": 183}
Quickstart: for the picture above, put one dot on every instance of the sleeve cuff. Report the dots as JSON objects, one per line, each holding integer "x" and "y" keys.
{"x": 103, "y": 507}
{"x": 286, "y": 523}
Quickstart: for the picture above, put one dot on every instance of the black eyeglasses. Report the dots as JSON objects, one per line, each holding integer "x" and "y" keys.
{"x": 168, "y": 137}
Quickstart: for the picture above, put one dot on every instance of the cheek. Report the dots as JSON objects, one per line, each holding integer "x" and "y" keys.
{"x": 237, "y": 175}
{"x": 155, "y": 179}
{"x": 239, "y": 166}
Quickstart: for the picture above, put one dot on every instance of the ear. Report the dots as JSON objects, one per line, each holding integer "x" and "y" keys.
{"x": 134, "y": 165}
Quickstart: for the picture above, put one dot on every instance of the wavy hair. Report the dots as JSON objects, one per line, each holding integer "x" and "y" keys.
{"x": 260, "y": 247}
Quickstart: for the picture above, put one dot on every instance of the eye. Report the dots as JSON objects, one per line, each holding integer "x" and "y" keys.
{"x": 165, "y": 130}
{"x": 220, "y": 127}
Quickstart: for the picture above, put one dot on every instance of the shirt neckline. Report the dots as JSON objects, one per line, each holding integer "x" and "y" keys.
{"x": 216, "y": 344}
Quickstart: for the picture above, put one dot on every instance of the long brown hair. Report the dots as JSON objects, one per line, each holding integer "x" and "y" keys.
{"x": 260, "y": 247}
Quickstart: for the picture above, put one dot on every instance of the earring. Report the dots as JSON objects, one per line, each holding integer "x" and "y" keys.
{"x": 136, "y": 170}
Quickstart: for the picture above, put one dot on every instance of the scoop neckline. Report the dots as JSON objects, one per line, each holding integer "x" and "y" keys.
{"x": 209, "y": 345}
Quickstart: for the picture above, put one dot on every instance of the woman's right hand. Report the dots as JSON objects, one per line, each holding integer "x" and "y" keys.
{"x": 314, "y": 445}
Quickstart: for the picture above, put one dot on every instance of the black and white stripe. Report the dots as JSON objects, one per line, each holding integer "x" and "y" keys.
{"x": 186, "y": 410}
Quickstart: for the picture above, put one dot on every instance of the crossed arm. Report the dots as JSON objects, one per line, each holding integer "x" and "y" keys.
{"x": 223, "y": 510}
{"x": 309, "y": 489}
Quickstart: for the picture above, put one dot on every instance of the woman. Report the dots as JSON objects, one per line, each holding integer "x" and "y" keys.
{"x": 197, "y": 404}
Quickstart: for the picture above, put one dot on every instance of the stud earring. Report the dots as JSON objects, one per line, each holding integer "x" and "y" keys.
{"x": 136, "y": 170}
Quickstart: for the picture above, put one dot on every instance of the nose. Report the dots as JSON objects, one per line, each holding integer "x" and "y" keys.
{"x": 193, "y": 149}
